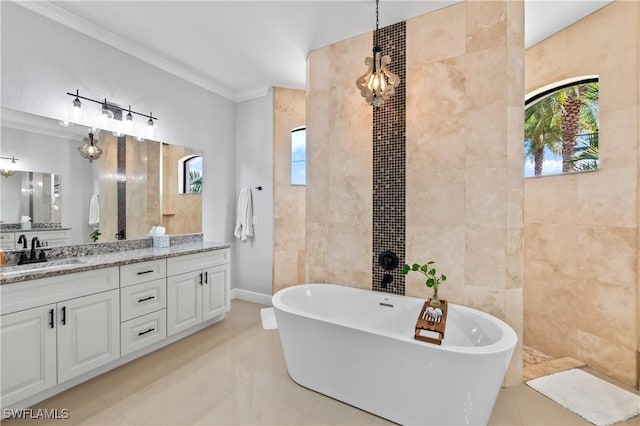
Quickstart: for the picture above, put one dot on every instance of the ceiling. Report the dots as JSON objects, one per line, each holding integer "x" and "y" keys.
{"x": 239, "y": 49}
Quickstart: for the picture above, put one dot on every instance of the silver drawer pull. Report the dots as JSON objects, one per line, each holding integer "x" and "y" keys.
{"x": 145, "y": 299}
{"x": 146, "y": 331}
{"x": 145, "y": 272}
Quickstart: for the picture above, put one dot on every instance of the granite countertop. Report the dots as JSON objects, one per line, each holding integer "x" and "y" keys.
{"x": 20, "y": 230}
{"x": 14, "y": 274}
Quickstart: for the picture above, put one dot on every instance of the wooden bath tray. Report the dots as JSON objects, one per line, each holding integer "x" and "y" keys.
{"x": 431, "y": 331}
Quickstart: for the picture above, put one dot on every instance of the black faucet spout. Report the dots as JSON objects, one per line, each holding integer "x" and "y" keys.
{"x": 35, "y": 243}
{"x": 22, "y": 239}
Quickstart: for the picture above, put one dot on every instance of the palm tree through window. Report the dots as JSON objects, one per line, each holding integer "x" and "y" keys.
{"x": 191, "y": 170}
{"x": 561, "y": 129}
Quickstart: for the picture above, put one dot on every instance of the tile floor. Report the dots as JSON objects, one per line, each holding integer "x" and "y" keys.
{"x": 234, "y": 373}
{"x": 537, "y": 364}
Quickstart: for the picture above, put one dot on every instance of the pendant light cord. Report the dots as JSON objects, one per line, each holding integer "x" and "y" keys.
{"x": 376, "y": 47}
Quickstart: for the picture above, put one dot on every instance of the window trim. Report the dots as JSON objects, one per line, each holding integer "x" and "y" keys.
{"x": 184, "y": 174}
{"x": 291, "y": 161}
{"x": 536, "y": 96}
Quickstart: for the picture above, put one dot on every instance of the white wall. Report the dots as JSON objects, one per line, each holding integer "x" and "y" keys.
{"x": 50, "y": 154}
{"x": 254, "y": 167}
{"x": 42, "y": 60}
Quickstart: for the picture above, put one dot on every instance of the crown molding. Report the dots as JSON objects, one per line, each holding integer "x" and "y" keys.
{"x": 247, "y": 95}
{"x": 83, "y": 26}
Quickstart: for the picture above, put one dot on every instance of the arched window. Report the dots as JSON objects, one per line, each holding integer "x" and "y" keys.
{"x": 190, "y": 174}
{"x": 561, "y": 128}
{"x": 299, "y": 156}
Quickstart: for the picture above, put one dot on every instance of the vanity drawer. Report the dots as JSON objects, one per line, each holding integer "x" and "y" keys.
{"x": 194, "y": 262}
{"x": 142, "y": 272}
{"x": 43, "y": 291}
{"x": 141, "y": 299}
{"x": 141, "y": 332}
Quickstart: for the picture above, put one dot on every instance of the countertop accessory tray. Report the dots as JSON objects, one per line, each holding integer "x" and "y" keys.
{"x": 431, "y": 331}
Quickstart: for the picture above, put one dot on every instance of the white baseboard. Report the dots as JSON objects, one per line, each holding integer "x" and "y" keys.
{"x": 251, "y": 296}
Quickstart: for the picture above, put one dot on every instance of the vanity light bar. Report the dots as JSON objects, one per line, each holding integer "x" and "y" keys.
{"x": 129, "y": 111}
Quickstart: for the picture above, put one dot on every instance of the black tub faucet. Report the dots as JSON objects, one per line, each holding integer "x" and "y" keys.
{"x": 22, "y": 239}
{"x": 388, "y": 260}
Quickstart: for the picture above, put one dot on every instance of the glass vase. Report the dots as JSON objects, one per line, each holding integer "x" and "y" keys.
{"x": 435, "y": 301}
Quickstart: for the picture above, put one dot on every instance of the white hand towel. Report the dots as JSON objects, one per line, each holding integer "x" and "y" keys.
{"x": 94, "y": 210}
{"x": 244, "y": 219}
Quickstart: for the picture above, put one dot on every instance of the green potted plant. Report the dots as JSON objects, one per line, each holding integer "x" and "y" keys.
{"x": 432, "y": 281}
{"x": 95, "y": 235}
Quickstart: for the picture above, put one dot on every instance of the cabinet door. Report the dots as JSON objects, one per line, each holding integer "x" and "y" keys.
{"x": 88, "y": 333}
{"x": 28, "y": 346}
{"x": 184, "y": 301}
{"x": 215, "y": 292}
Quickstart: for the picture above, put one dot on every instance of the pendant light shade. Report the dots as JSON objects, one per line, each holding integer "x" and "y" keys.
{"x": 9, "y": 170}
{"x": 90, "y": 149}
{"x": 378, "y": 84}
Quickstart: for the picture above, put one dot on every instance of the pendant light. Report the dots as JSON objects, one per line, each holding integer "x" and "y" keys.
{"x": 378, "y": 84}
{"x": 90, "y": 150}
{"x": 8, "y": 171}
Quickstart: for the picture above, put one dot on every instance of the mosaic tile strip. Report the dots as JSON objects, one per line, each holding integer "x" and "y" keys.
{"x": 122, "y": 186}
{"x": 389, "y": 124}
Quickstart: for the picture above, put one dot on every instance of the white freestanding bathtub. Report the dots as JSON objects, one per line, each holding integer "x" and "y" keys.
{"x": 357, "y": 346}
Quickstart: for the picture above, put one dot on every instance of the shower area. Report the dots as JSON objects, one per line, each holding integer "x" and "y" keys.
{"x": 581, "y": 229}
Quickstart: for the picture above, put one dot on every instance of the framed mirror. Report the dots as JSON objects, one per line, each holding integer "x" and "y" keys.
{"x": 134, "y": 183}
{"x": 32, "y": 194}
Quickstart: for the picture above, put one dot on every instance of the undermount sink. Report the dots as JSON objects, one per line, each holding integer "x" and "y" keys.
{"x": 39, "y": 267}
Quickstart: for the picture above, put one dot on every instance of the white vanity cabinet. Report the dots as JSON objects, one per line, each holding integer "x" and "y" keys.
{"x": 54, "y": 329}
{"x": 143, "y": 303}
{"x": 28, "y": 352}
{"x": 58, "y": 331}
{"x": 88, "y": 333}
{"x": 197, "y": 288}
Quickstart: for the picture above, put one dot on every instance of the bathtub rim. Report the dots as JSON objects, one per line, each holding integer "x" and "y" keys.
{"x": 507, "y": 342}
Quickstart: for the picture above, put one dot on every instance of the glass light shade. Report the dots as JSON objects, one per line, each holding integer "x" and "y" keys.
{"x": 378, "y": 84}
{"x": 90, "y": 150}
{"x": 128, "y": 123}
{"x": 7, "y": 172}
{"x": 76, "y": 111}
{"x": 151, "y": 129}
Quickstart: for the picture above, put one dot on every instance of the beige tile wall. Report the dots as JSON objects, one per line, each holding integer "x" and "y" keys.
{"x": 464, "y": 174}
{"x": 581, "y": 230}
{"x": 108, "y": 186}
{"x": 288, "y": 200}
{"x": 464, "y": 159}
{"x": 143, "y": 182}
{"x": 181, "y": 213}
{"x": 143, "y": 186}
{"x": 339, "y": 166}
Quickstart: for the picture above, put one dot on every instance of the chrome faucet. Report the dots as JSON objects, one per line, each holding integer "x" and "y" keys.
{"x": 22, "y": 239}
